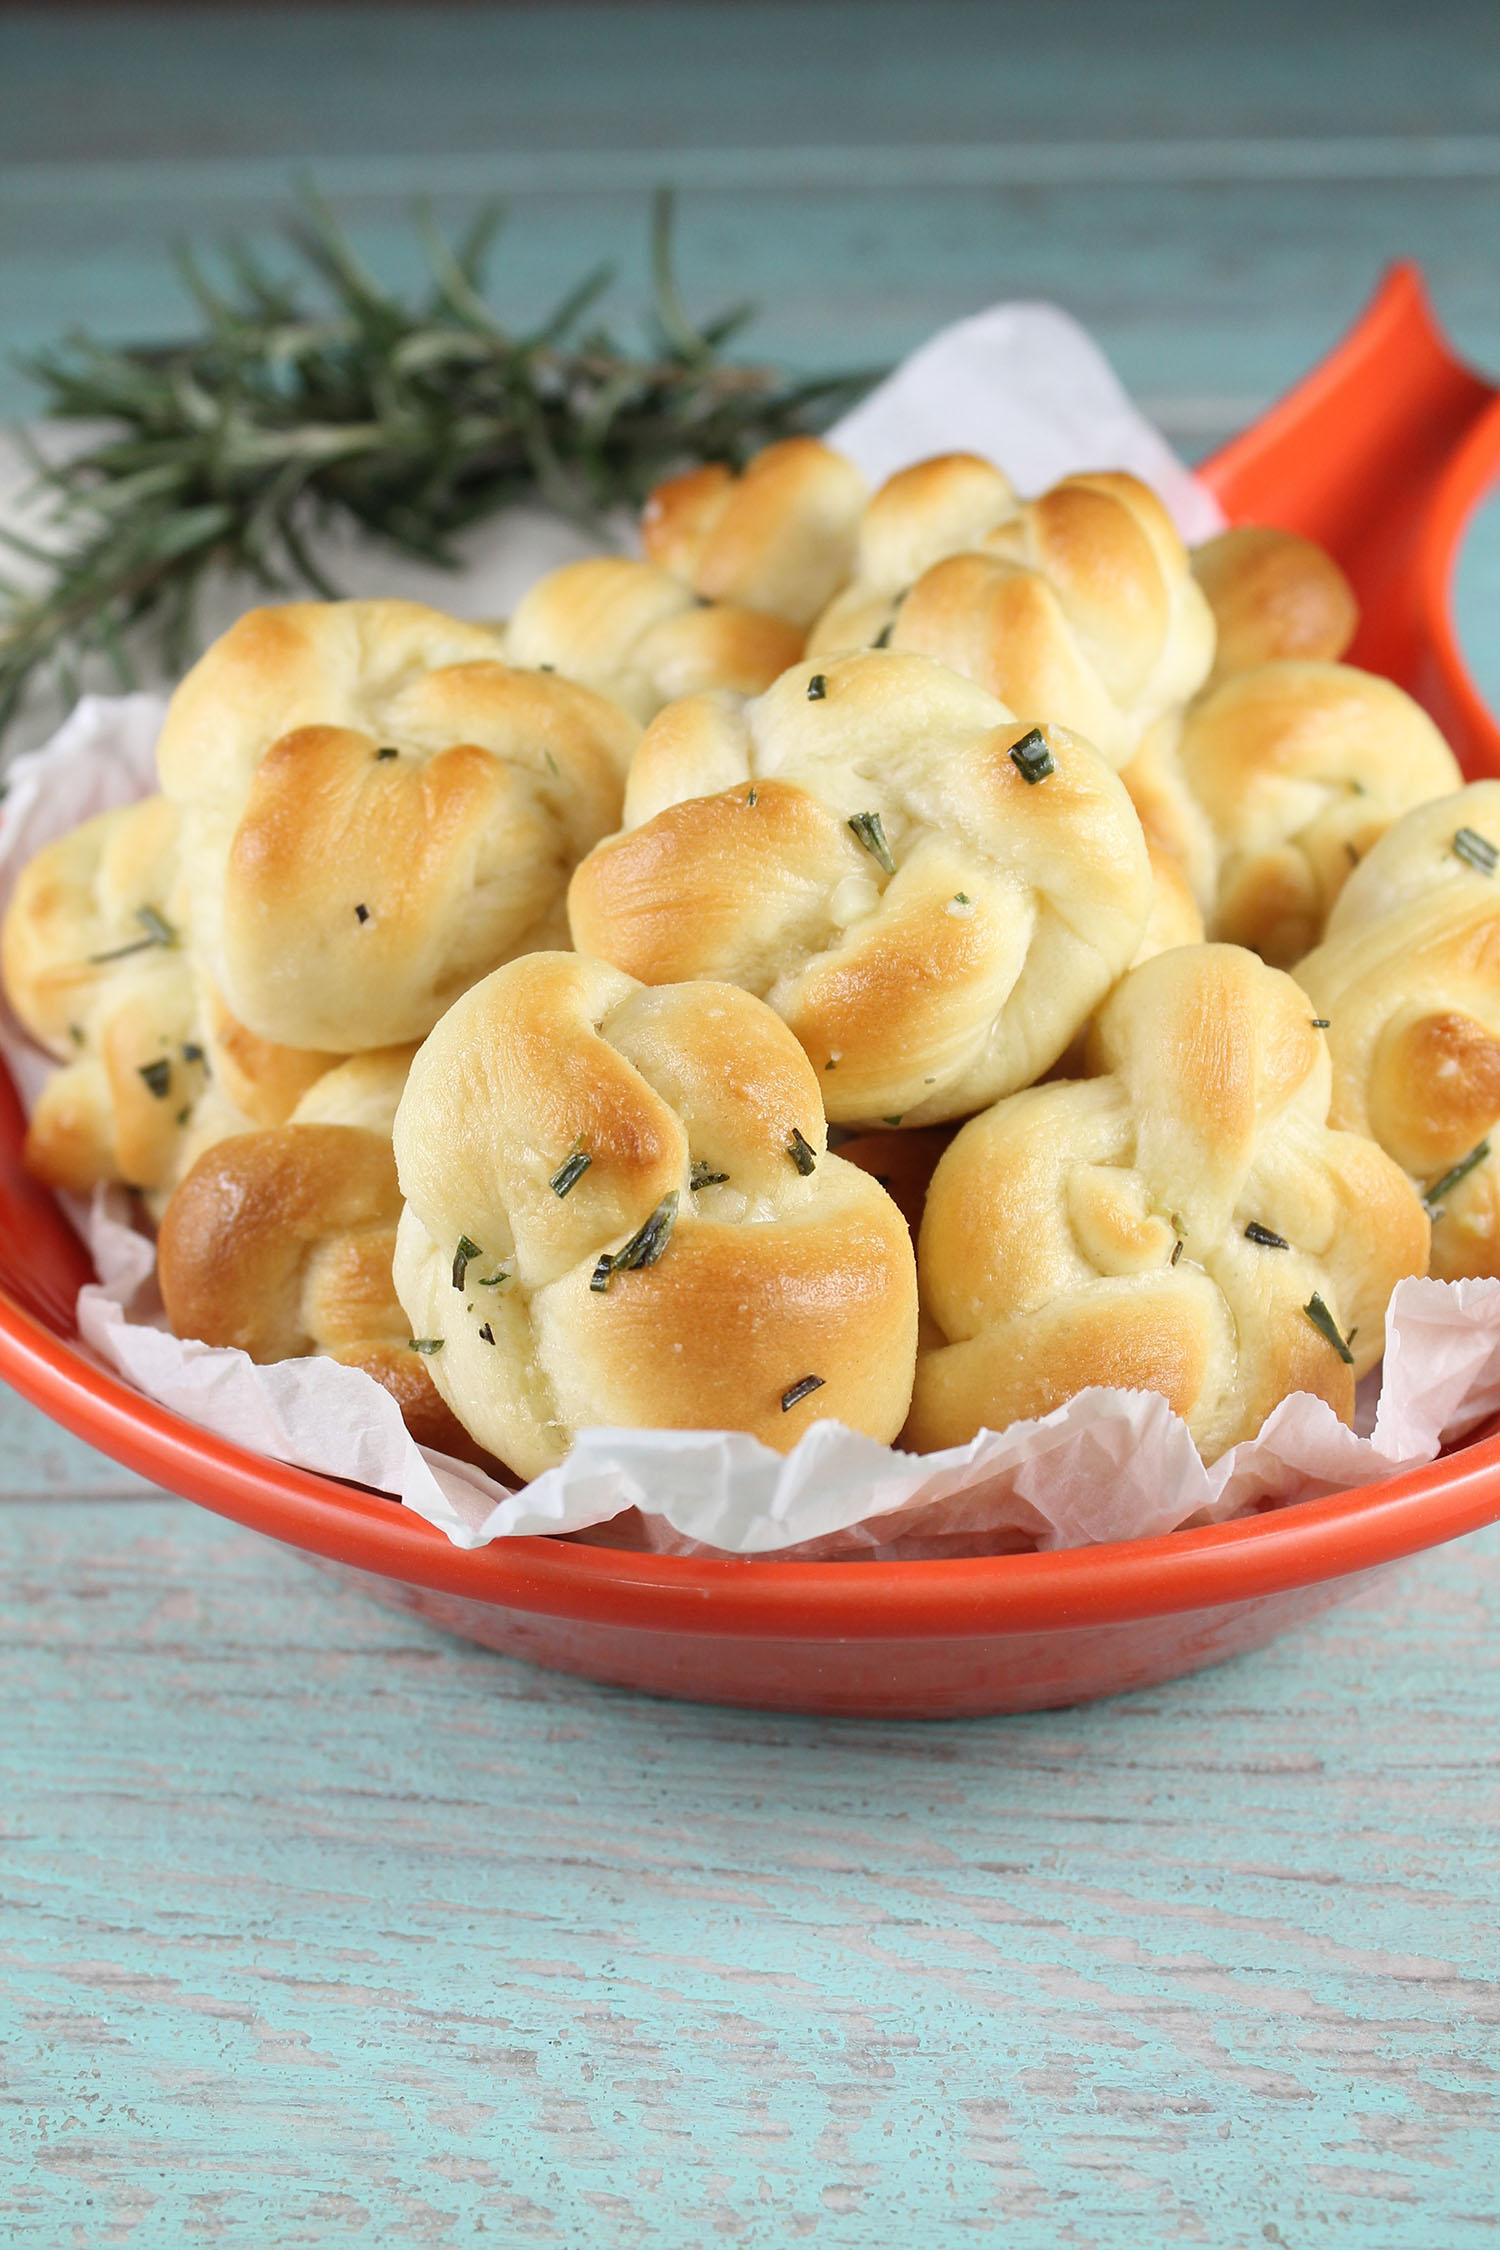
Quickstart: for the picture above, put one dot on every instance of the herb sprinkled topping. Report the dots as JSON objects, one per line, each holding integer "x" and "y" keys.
{"x": 644, "y": 1247}
{"x": 1450, "y": 1179}
{"x": 385, "y": 751}
{"x": 552, "y": 764}
{"x": 191, "y": 1051}
{"x": 158, "y": 929}
{"x": 1177, "y": 1250}
{"x": 894, "y": 1120}
{"x": 962, "y": 898}
{"x": 361, "y": 914}
{"x": 425, "y": 1344}
{"x": 752, "y": 796}
{"x": 570, "y": 1172}
{"x": 158, "y": 1077}
{"x": 704, "y": 1176}
{"x": 76, "y": 1034}
{"x": 1327, "y": 1327}
{"x": 494, "y": 1280}
{"x": 883, "y": 637}
{"x": 1255, "y": 1232}
{"x": 546, "y": 667}
{"x": 1476, "y": 850}
{"x": 1351, "y": 853}
{"x": 817, "y": 687}
{"x": 1320, "y": 1023}
{"x": 802, "y": 1152}
{"x": 486, "y": 1334}
{"x": 867, "y": 827}
{"x": 799, "y": 1391}
{"x": 1031, "y": 757}
{"x": 463, "y": 1258}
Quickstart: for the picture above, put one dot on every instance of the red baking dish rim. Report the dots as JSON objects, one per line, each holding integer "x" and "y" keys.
{"x": 1262, "y": 1555}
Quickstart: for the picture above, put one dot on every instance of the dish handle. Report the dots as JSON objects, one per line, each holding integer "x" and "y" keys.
{"x": 1382, "y": 454}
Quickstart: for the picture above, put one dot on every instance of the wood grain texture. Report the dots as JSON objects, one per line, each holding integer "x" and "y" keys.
{"x": 317, "y": 1927}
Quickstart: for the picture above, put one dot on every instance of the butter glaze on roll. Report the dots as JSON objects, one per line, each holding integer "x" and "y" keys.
{"x": 1096, "y": 1232}
{"x": 376, "y": 810}
{"x": 1272, "y": 787}
{"x": 639, "y": 636}
{"x": 560, "y": 1109}
{"x": 756, "y": 851}
{"x": 778, "y": 536}
{"x": 1078, "y": 607}
{"x": 1409, "y": 978}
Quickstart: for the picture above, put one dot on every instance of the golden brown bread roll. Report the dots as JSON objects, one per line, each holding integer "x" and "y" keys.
{"x": 1167, "y": 1224}
{"x": 1078, "y": 607}
{"x": 621, "y": 1210}
{"x": 279, "y": 1242}
{"x": 1274, "y": 784}
{"x": 1274, "y": 596}
{"x": 638, "y": 635}
{"x": 778, "y": 536}
{"x": 1408, "y": 977}
{"x": 933, "y": 896}
{"x": 95, "y": 968}
{"x": 376, "y": 810}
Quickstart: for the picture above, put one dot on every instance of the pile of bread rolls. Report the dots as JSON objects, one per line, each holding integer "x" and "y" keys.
{"x": 474, "y": 1004}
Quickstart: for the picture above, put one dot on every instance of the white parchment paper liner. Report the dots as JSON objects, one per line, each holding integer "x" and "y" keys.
{"x": 1026, "y": 386}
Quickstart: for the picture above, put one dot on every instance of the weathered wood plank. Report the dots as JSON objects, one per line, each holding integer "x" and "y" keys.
{"x": 317, "y": 1927}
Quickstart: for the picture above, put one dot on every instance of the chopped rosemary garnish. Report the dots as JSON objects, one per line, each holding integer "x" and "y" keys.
{"x": 552, "y": 764}
{"x": 1327, "y": 1327}
{"x": 883, "y": 637}
{"x": 1177, "y": 1249}
{"x": 486, "y": 1334}
{"x": 296, "y": 412}
{"x": 1320, "y": 1023}
{"x": 361, "y": 914}
{"x": 817, "y": 687}
{"x": 1450, "y": 1179}
{"x": 427, "y": 1344}
{"x": 752, "y": 796}
{"x": 894, "y": 1120}
{"x": 385, "y": 751}
{"x": 495, "y": 1280}
{"x": 191, "y": 1051}
{"x": 799, "y": 1391}
{"x": 1476, "y": 850}
{"x": 1351, "y": 853}
{"x": 158, "y": 1077}
{"x": 463, "y": 1258}
{"x": 962, "y": 898}
{"x": 1031, "y": 757}
{"x": 184, "y": 1114}
{"x": 1255, "y": 1232}
{"x": 644, "y": 1247}
{"x": 802, "y": 1152}
{"x": 158, "y": 929}
{"x": 570, "y": 1172}
{"x": 704, "y": 1176}
{"x": 832, "y": 1063}
{"x": 868, "y": 828}
{"x": 77, "y": 1034}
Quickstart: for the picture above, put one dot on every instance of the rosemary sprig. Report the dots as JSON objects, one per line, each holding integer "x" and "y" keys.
{"x": 297, "y": 406}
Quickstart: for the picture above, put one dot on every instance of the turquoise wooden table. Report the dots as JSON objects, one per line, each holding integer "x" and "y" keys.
{"x": 318, "y": 1928}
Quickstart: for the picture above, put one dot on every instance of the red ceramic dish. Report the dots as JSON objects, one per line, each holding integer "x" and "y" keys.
{"x": 1381, "y": 454}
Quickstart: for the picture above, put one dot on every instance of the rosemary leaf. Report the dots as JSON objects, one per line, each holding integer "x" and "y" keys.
{"x": 799, "y": 1391}
{"x": 802, "y": 1152}
{"x": 1433, "y": 1196}
{"x": 463, "y": 1258}
{"x": 310, "y": 403}
{"x": 870, "y": 830}
{"x": 644, "y": 1247}
{"x": 1031, "y": 757}
{"x": 1327, "y": 1327}
{"x": 1255, "y": 1232}
{"x": 570, "y": 1172}
{"x": 158, "y": 929}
